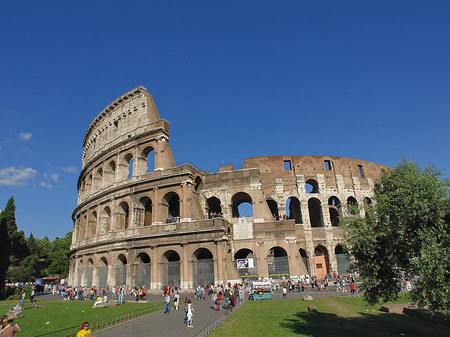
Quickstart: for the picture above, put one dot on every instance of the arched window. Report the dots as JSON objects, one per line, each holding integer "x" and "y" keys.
{"x": 112, "y": 170}
{"x": 203, "y": 266}
{"x": 106, "y": 220}
{"x": 121, "y": 270}
{"x": 334, "y": 207}
{"x": 214, "y": 207}
{"x": 198, "y": 183}
{"x": 146, "y": 211}
{"x": 311, "y": 186}
{"x": 273, "y": 206}
{"x": 321, "y": 262}
{"x": 352, "y": 205}
{"x": 143, "y": 268}
{"x": 129, "y": 163}
{"x": 246, "y": 264}
{"x": 148, "y": 154}
{"x": 90, "y": 273}
{"x": 92, "y": 224}
{"x": 124, "y": 215}
{"x": 242, "y": 205}
{"x": 277, "y": 263}
{"x": 315, "y": 212}
{"x": 171, "y": 268}
{"x": 293, "y": 210}
{"x": 172, "y": 202}
{"x": 102, "y": 271}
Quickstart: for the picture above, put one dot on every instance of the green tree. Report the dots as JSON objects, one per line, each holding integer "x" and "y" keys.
{"x": 4, "y": 253}
{"x": 18, "y": 243}
{"x": 59, "y": 260}
{"x": 405, "y": 232}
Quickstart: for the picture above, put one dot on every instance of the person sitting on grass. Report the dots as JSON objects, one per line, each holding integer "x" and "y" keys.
{"x": 35, "y": 305}
{"x": 85, "y": 331}
{"x": 10, "y": 329}
{"x": 98, "y": 302}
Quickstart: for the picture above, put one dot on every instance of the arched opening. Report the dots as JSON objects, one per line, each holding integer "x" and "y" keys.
{"x": 342, "y": 260}
{"x": 203, "y": 266}
{"x": 129, "y": 164}
{"x": 273, "y": 206}
{"x": 112, "y": 170}
{"x": 334, "y": 207}
{"x": 305, "y": 260}
{"x": 321, "y": 261}
{"x": 90, "y": 273}
{"x": 171, "y": 268}
{"x": 293, "y": 210}
{"x": 145, "y": 213}
{"x": 198, "y": 183}
{"x": 106, "y": 220}
{"x": 172, "y": 202}
{"x": 277, "y": 263}
{"x": 352, "y": 206}
{"x": 214, "y": 208}
{"x": 121, "y": 270}
{"x": 102, "y": 271}
{"x": 246, "y": 264}
{"x": 92, "y": 224}
{"x": 368, "y": 207}
{"x": 242, "y": 205}
{"x": 311, "y": 186}
{"x": 149, "y": 156}
{"x": 98, "y": 179}
{"x": 80, "y": 272}
{"x": 124, "y": 215}
{"x": 315, "y": 212}
{"x": 143, "y": 267}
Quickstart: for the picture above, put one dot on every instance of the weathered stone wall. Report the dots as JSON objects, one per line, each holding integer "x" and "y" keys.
{"x": 140, "y": 218}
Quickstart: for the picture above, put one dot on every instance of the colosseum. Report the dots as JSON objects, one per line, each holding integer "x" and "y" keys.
{"x": 141, "y": 220}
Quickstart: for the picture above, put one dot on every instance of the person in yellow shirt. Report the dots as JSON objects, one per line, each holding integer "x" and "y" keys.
{"x": 85, "y": 331}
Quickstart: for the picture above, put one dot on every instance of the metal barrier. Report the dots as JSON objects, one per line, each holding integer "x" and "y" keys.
{"x": 105, "y": 322}
{"x": 206, "y": 331}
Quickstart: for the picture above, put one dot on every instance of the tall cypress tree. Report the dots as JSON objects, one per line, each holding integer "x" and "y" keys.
{"x": 18, "y": 243}
{"x": 4, "y": 253}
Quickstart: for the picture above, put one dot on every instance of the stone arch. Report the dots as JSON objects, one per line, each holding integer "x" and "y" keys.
{"x": 171, "y": 201}
{"x": 214, "y": 207}
{"x": 92, "y": 224}
{"x": 98, "y": 179}
{"x": 368, "y": 206}
{"x": 321, "y": 261}
{"x": 293, "y": 210}
{"x": 203, "y": 266}
{"x": 335, "y": 210}
{"x": 143, "y": 270}
{"x": 305, "y": 258}
{"x": 278, "y": 263}
{"x": 121, "y": 270}
{"x": 171, "y": 268}
{"x": 273, "y": 206}
{"x": 237, "y": 202}
{"x": 315, "y": 212}
{"x": 80, "y": 272}
{"x": 148, "y": 155}
{"x": 90, "y": 273}
{"x": 102, "y": 272}
{"x": 124, "y": 215}
{"x": 342, "y": 259}
{"x": 128, "y": 162}
{"x": 111, "y": 171}
{"x": 106, "y": 220}
{"x": 352, "y": 204}
{"x": 311, "y": 186}
{"x": 246, "y": 263}
{"x": 145, "y": 212}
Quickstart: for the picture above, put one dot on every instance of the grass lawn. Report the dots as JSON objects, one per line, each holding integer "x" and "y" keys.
{"x": 336, "y": 316}
{"x": 60, "y": 315}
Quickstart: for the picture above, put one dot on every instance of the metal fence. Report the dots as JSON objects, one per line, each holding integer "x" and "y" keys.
{"x": 143, "y": 275}
{"x": 343, "y": 264}
{"x": 171, "y": 273}
{"x": 278, "y": 266}
{"x": 203, "y": 271}
{"x": 206, "y": 331}
{"x": 105, "y": 322}
{"x": 102, "y": 276}
{"x": 121, "y": 274}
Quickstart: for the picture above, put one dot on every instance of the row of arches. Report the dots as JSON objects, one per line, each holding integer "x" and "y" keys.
{"x": 118, "y": 169}
{"x": 139, "y": 273}
{"x": 242, "y": 205}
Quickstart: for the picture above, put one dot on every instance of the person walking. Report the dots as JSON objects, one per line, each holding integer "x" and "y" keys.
{"x": 190, "y": 314}
{"x": 167, "y": 303}
{"x": 120, "y": 295}
{"x": 176, "y": 300}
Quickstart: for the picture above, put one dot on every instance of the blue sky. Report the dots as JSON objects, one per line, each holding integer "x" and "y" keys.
{"x": 235, "y": 79}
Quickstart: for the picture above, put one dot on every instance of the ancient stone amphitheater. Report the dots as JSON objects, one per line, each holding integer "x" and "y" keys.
{"x": 142, "y": 220}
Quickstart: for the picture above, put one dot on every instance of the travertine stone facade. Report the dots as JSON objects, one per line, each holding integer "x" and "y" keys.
{"x": 142, "y": 220}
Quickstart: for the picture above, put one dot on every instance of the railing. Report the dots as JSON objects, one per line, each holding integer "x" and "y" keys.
{"x": 206, "y": 331}
{"x": 105, "y": 322}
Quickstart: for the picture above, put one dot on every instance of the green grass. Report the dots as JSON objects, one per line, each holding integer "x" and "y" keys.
{"x": 336, "y": 316}
{"x": 62, "y": 315}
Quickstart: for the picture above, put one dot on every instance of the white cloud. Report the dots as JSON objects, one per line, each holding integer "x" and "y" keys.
{"x": 25, "y": 136}
{"x": 54, "y": 177}
{"x": 45, "y": 185}
{"x": 70, "y": 169}
{"x": 13, "y": 176}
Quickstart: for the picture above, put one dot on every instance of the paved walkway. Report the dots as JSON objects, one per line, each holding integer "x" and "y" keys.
{"x": 167, "y": 325}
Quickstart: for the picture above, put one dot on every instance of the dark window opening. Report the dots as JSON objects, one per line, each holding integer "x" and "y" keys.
{"x": 287, "y": 165}
{"x": 361, "y": 171}
{"x": 327, "y": 165}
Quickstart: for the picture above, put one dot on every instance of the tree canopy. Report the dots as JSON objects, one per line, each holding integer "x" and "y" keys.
{"x": 407, "y": 232}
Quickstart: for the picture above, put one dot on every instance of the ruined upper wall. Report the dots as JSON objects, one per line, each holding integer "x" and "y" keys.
{"x": 127, "y": 116}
